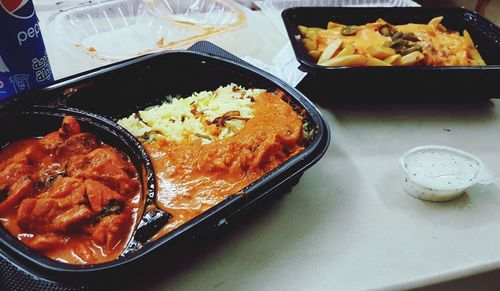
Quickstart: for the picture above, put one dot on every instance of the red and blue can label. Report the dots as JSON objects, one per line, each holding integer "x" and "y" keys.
{"x": 23, "y": 59}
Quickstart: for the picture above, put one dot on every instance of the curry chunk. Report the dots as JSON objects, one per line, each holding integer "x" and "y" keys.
{"x": 70, "y": 190}
{"x": 51, "y": 141}
{"x": 101, "y": 196}
{"x": 30, "y": 156}
{"x": 16, "y": 182}
{"x": 108, "y": 232}
{"x": 69, "y": 127}
{"x": 107, "y": 166}
{"x": 45, "y": 242}
{"x": 48, "y": 215}
{"x": 54, "y": 140}
{"x": 18, "y": 176}
{"x": 78, "y": 144}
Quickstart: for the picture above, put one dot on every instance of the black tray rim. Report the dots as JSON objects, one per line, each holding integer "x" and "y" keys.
{"x": 298, "y": 164}
{"x": 306, "y": 65}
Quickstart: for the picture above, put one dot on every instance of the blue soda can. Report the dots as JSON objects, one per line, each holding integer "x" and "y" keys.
{"x": 23, "y": 59}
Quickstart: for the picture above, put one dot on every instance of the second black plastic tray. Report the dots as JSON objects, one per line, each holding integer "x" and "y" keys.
{"x": 398, "y": 83}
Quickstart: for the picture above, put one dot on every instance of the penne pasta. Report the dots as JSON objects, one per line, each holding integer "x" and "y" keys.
{"x": 351, "y": 60}
{"x": 330, "y": 50}
{"x": 347, "y": 50}
{"x": 314, "y": 54}
{"x": 303, "y": 30}
{"x": 473, "y": 50}
{"x": 371, "y": 61}
{"x": 332, "y": 24}
{"x": 435, "y": 21}
{"x": 411, "y": 59}
{"x": 394, "y": 60}
{"x": 380, "y": 43}
{"x": 310, "y": 44}
{"x": 380, "y": 52}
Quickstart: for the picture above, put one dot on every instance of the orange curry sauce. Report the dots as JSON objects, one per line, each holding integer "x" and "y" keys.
{"x": 192, "y": 177}
{"x": 69, "y": 196}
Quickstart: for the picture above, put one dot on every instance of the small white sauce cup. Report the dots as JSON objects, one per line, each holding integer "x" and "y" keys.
{"x": 441, "y": 173}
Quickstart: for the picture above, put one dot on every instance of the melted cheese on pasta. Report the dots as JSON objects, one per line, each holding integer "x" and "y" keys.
{"x": 440, "y": 47}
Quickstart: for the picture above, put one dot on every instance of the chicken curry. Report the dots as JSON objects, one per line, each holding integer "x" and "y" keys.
{"x": 69, "y": 196}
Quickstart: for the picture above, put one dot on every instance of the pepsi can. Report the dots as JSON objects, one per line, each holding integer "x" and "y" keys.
{"x": 23, "y": 59}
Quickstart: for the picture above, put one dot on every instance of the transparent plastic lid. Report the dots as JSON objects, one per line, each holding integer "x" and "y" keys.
{"x": 121, "y": 29}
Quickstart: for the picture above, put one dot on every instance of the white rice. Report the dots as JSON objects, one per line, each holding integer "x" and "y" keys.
{"x": 191, "y": 117}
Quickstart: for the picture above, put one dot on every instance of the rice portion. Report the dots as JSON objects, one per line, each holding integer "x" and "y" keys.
{"x": 207, "y": 115}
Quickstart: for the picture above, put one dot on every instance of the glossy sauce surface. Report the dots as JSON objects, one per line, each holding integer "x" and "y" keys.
{"x": 193, "y": 177}
{"x": 69, "y": 196}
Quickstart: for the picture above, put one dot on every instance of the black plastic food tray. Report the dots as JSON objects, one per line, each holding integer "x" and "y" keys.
{"x": 120, "y": 89}
{"x": 398, "y": 83}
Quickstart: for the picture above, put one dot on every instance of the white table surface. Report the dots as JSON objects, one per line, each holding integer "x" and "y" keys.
{"x": 349, "y": 224}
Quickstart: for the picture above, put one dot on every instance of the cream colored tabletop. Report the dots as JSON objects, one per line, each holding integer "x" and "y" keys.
{"x": 349, "y": 224}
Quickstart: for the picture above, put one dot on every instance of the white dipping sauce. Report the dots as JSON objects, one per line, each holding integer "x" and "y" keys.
{"x": 441, "y": 169}
{"x": 438, "y": 173}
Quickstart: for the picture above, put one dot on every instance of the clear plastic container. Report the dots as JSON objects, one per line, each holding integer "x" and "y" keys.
{"x": 440, "y": 173}
{"x": 51, "y": 5}
{"x": 120, "y": 29}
